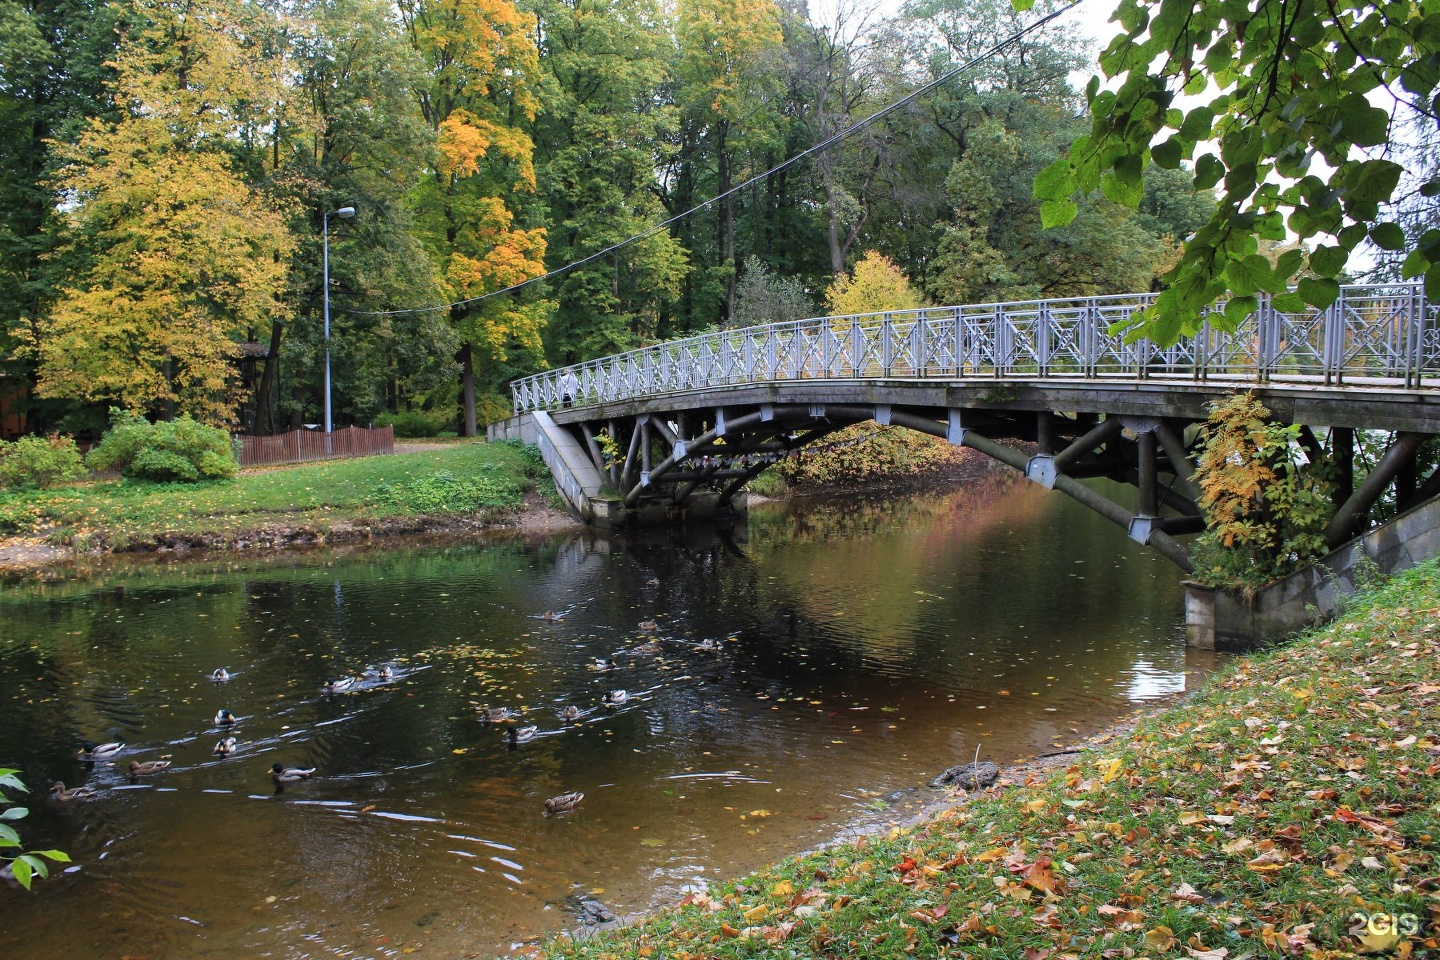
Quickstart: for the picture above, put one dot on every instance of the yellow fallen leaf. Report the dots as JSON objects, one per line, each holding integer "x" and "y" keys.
{"x": 782, "y": 889}
{"x": 1109, "y": 771}
{"x": 756, "y": 914}
{"x": 459, "y": 750}
{"x": 1035, "y": 806}
{"x": 1191, "y": 817}
{"x": 759, "y": 813}
{"x": 1160, "y": 939}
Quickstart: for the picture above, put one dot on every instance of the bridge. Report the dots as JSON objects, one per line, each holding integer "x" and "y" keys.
{"x": 677, "y": 429}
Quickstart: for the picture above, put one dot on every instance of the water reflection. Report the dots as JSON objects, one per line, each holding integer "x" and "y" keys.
{"x": 781, "y": 685}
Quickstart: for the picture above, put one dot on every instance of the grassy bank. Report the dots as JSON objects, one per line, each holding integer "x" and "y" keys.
{"x": 1273, "y": 815}
{"x": 476, "y": 480}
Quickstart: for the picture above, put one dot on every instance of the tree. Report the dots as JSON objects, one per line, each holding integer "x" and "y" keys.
{"x": 600, "y": 137}
{"x": 1289, "y": 133}
{"x": 764, "y": 297}
{"x": 727, "y": 83}
{"x": 874, "y": 285}
{"x": 170, "y": 255}
{"x": 475, "y": 210}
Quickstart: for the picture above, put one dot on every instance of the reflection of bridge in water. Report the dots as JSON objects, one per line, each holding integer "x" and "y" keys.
{"x": 687, "y": 423}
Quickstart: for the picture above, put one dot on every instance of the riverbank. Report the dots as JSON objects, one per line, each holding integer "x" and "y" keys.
{"x": 424, "y": 489}
{"x": 1291, "y": 808}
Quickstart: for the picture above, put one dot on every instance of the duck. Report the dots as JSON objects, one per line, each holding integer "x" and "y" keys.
{"x": 338, "y": 684}
{"x": 563, "y": 803}
{"x": 145, "y": 768}
{"x": 224, "y": 718}
{"x": 616, "y": 697}
{"x": 521, "y": 734}
{"x": 551, "y": 616}
{"x": 602, "y": 665}
{"x": 648, "y": 649}
{"x": 494, "y": 714}
{"x": 100, "y": 751}
{"x": 653, "y": 582}
{"x": 225, "y": 747}
{"x": 708, "y": 645}
{"x": 387, "y": 672}
{"x": 221, "y": 675}
{"x": 283, "y": 775}
{"x": 570, "y": 714}
{"x": 58, "y": 791}
{"x": 649, "y": 626}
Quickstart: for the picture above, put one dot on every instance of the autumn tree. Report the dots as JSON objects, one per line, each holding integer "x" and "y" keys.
{"x": 600, "y": 137}
{"x": 1298, "y": 105}
{"x": 875, "y": 284}
{"x": 476, "y": 210}
{"x": 169, "y": 255}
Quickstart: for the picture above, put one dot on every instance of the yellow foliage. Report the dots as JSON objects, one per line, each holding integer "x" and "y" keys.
{"x": 874, "y": 285}
{"x": 464, "y": 139}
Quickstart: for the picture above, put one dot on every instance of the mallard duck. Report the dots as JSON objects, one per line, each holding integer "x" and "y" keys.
{"x": 649, "y": 626}
{"x": 563, "y": 803}
{"x": 225, "y": 747}
{"x": 387, "y": 672}
{"x": 616, "y": 697}
{"x": 602, "y": 666}
{"x": 521, "y": 734}
{"x": 708, "y": 645}
{"x": 58, "y": 791}
{"x": 224, "y": 718}
{"x": 647, "y": 649}
{"x": 145, "y": 768}
{"x": 494, "y": 714}
{"x": 551, "y": 616}
{"x": 221, "y": 675}
{"x": 283, "y": 775}
{"x": 570, "y": 714}
{"x": 653, "y": 582}
{"x": 100, "y": 751}
{"x": 338, "y": 684}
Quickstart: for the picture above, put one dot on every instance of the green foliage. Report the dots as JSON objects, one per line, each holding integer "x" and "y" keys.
{"x": 416, "y": 423}
{"x": 1287, "y": 132}
{"x": 24, "y": 864}
{"x": 765, "y": 297}
{"x": 1267, "y": 505}
{"x": 863, "y": 452}
{"x": 180, "y": 449}
{"x": 37, "y": 463}
{"x": 444, "y": 492}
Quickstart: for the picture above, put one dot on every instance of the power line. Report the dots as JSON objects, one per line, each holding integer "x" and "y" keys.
{"x": 825, "y": 144}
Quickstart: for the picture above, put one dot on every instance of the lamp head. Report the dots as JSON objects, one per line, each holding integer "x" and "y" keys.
{"x": 345, "y": 213}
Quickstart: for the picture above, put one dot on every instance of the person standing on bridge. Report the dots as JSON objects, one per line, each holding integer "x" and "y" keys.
{"x": 567, "y": 388}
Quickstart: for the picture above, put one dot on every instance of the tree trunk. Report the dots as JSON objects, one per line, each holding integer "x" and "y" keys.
{"x": 468, "y": 427}
{"x": 265, "y": 424}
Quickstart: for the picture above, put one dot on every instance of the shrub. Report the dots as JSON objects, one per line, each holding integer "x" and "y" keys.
{"x": 865, "y": 451}
{"x": 443, "y": 492}
{"x": 36, "y": 463}
{"x": 181, "y": 449}
{"x": 415, "y": 423}
{"x": 1266, "y": 505}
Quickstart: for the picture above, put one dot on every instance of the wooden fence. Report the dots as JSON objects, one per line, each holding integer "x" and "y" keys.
{"x": 300, "y": 446}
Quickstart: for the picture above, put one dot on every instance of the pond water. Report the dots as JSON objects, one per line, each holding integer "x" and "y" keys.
{"x": 805, "y": 677}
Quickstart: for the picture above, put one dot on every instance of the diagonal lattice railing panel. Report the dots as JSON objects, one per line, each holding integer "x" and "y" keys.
{"x": 1387, "y": 333}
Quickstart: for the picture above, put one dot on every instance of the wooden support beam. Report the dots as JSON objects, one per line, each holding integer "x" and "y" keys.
{"x": 1348, "y": 519}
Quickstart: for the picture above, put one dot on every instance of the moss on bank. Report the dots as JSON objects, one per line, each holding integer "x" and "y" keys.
{"x": 1292, "y": 808}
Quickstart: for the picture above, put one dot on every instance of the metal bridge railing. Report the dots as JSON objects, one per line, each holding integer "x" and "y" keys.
{"x": 1385, "y": 335}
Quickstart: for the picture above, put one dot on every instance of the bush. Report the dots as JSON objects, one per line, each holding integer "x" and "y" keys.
{"x": 416, "y": 423}
{"x": 862, "y": 452}
{"x": 36, "y": 463}
{"x": 181, "y": 449}
{"x": 443, "y": 492}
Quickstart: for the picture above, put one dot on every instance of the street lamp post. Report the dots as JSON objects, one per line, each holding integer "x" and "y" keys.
{"x": 343, "y": 213}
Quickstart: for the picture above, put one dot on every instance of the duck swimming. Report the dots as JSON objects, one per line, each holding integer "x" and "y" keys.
{"x": 224, "y": 718}
{"x": 521, "y": 734}
{"x": 147, "y": 768}
{"x": 616, "y": 697}
{"x": 221, "y": 675}
{"x": 494, "y": 714}
{"x": 58, "y": 791}
{"x": 563, "y": 803}
{"x": 225, "y": 747}
{"x": 283, "y": 775}
{"x": 101, "y": 751}
{"x": 338, "y": 684}
{"x": 602, "y": 665}
{"x": 570, "y": 714}
{"x": 551, "y": 616}
{"x": 649, "y": 626}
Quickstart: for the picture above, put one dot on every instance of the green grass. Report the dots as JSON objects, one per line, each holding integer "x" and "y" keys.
{"x": 1263, "y": 818}
{"x": 465, "y": 479}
